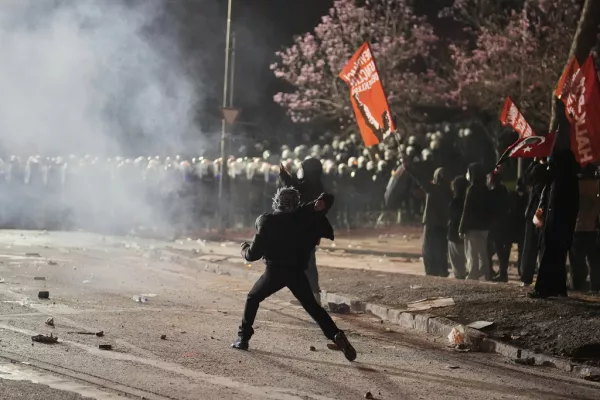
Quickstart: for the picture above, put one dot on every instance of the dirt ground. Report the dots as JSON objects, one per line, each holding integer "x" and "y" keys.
{"x": 567, "y": 327}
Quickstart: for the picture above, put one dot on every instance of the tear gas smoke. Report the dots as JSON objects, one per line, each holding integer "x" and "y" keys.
{"x": 100, "y": 77}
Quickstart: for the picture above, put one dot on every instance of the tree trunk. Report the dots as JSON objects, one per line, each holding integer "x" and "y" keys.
{"x": 585, "y": 39}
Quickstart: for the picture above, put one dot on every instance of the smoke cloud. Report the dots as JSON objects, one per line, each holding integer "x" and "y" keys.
{"x": 98, "y": 77}
{"x": 85, "y": 76}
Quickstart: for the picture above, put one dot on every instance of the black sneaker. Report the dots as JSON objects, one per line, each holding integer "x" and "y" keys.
{"x": 240, "y": 344}
{"x": 342, "y": 342}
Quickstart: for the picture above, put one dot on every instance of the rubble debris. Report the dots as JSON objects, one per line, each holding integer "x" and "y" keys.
{"x": 140, "y": 299}
{"x": 39, "y": 278}
{"x": 524, "y": 361}
{"x": 50, "y": 321}
{"x": 312, "y": 348}
{"x": 333, "y": 346}
{"x": 163, "y": 337}
{"x": 430, "y": 302}
{"x": 479, "y": 325}
{"x": 369, "y": 395}
{"x": 342, "y": 308}
{"x": 87, "y": 281}
{"x": 2, "y": 280}
{"x": 52, "y": 262}
{"x": 44, "y": 294}
{"x": 458, "y": 336}
{"x": 99, "y": 333}
{"x": 414, "y": 287}
{"x": 105, "y": 347}
{"x": 592, "y": 378}
{"x": 32, "y": 255}
{"x": 452, "y": 367}
{"x": 45, "y": 339}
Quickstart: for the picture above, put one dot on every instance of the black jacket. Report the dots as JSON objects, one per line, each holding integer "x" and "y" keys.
{"x": 455, "y": 212}
{"x": 286, "y": 240}
{"x": 437, "y": 200}
{"x": 478, "y": 209}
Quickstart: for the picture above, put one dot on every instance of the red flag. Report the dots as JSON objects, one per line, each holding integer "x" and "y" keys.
{"x": 367, "y": 96}
{"x": 530, "y": 147}
{"x": 533, "y": 147}
{"x": 565, "y": 83}
{"x": 512, "y": 116}
{"x": 583, "y": 106}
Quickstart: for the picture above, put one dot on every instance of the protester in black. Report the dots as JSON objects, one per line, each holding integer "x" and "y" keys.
{"x": 285, "y": 240}
{"x": 456, "y": 244}
{"x": 310, "y": 185}
{"x": 536, "y": 178}
{"x": 476, "y": 222}
{"x": 435, "y": 221}
{"x": 560, "y": 217}
{"x": 585, "y": 252}
{"x": 499, "y": 241}
{"x": 517, "y": 204}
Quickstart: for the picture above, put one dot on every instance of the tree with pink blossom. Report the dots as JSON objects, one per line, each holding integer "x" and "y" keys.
{"x": 516, "y": 51}
{"x": 402, "y": 43}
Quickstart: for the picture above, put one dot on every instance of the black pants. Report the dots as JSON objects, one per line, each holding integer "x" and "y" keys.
{"x": 552, "y": 277}
{"x": 584, "y": 252}
{"x": 435, "y": 250}
{"x": 529, "y": 256}
{"x": 272, "y": 281}
{"x": 498, "y": 244}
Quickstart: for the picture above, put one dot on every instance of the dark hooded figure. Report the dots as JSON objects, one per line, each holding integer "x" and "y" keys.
{"x": 499, "y": 239}
{"x": 560, "y": 217}
{"x": 536, "y": 178}
{"x": 285, "y": 240}
{"x": 517, "y": 204}
{"x": 456, "y": 244}
{"x": 476, "y": 222}
{"x": 585, "y": 252}
{"x": 310, "y": 185}
{"x": 435, "y": 221}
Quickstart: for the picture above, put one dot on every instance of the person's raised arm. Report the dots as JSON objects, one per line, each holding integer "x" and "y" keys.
{"x": 254, "y": 250}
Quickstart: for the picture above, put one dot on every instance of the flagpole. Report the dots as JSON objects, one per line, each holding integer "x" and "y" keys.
{"x": 223, "y": 122}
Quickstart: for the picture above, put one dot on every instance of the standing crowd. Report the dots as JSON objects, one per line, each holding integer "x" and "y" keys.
{"x": 472, "y": 217}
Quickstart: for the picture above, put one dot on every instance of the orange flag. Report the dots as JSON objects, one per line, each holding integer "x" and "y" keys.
{"x": 512, "y": 116}
{"x": 367, "y": 96}
{"x": 565, "y": 83}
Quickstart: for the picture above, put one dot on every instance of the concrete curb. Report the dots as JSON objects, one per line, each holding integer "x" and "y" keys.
{"x": 440, "y": 326}
{"x": 425, "y": 323}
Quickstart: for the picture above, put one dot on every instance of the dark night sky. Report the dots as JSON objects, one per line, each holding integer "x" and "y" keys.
{"x": 262, "y": 27}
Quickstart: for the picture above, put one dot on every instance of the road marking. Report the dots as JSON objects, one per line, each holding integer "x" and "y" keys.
{"x": 17, "y": 372}
{"x": 263, "y": 392}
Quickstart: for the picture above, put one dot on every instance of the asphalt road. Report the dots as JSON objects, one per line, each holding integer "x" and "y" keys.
{"x": 93, "y": 279}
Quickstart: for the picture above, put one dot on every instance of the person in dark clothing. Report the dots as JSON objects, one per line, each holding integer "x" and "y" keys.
{"x": 476, "y": 222}
{"x": 456, "y": 244}
{"x": 310, "y": 185}
{"x": 536, "y": 178}
{"x": 435, "y": 221}
{"x": 560, "y": 217}
{"x": 285, "y": 239}
{"x": 499, "y": 241}
{"x": 517, "y": 204}
{"x": 585, "y": 252}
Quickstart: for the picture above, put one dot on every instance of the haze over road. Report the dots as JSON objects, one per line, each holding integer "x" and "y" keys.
{"x": 92, "y": 280}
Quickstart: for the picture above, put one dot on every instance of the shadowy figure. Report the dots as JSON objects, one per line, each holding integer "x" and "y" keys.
{"x": 560, "y": 217}
{"x": 284, "y": 239}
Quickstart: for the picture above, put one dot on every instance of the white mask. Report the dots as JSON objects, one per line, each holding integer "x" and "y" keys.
{"x": 300, "y": 173}
{"x": 468, "y": 176}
